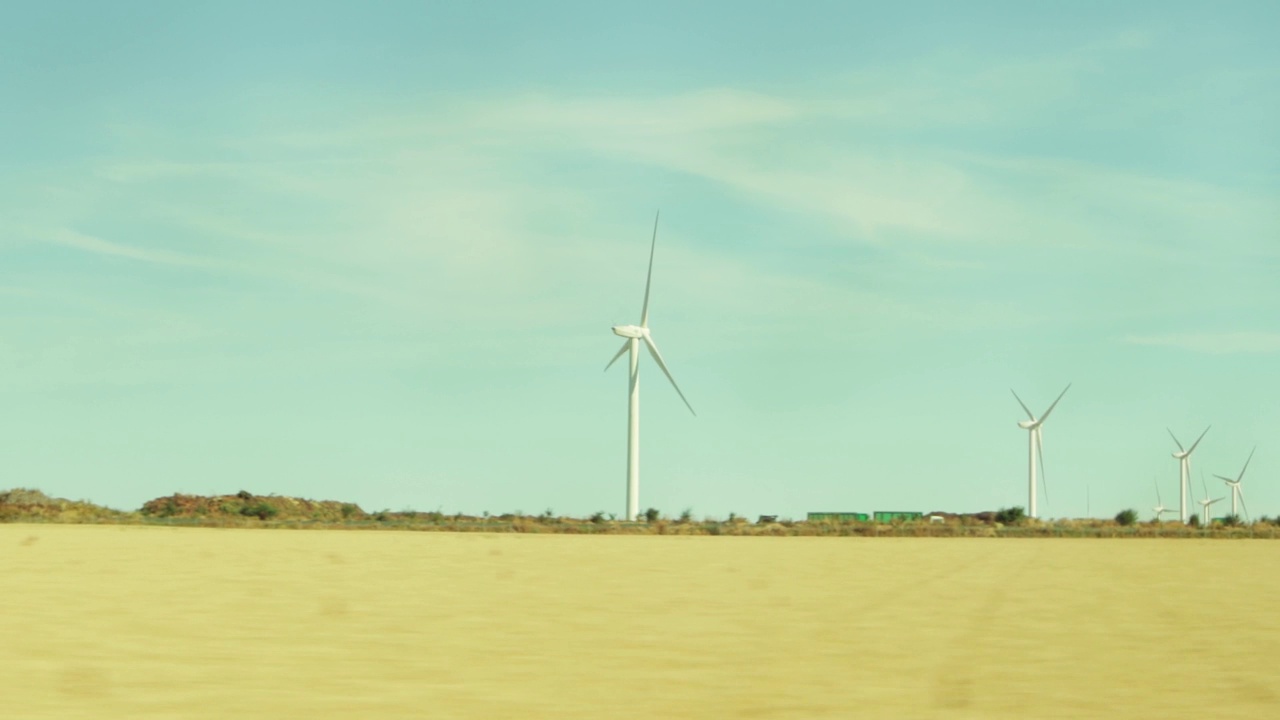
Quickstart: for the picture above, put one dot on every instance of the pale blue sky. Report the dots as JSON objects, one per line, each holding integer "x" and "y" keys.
{"x": 372, "y": 251}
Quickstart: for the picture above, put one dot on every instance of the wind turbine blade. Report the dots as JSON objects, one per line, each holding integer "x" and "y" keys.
{"x": 644, "y": 312}
{"x": 1175, "y": 440}
{"x": 625, "y": 345}
{"x": 1197, "y": 442}
{"x": 1158, "y": 500}
{"x": 1246, "y": 463}
{"x": 1044, "y": 483}
{"x": 1226, "y": 480}
{"x": 1045, "y": 416}
{"x": 657, "y": 356}
{"x": 1024, "y": 405}
{"x": 1244, "y": 508}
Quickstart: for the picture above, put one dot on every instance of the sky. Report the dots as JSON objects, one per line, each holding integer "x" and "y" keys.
{"x": 372, "y": 252}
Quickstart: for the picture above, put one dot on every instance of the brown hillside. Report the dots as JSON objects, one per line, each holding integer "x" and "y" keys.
{"x": 26, "y": 505}
{"x": 246, "y": 504}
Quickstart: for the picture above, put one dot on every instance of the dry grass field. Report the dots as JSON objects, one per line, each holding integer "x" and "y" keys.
{"x": 147, "y": 622}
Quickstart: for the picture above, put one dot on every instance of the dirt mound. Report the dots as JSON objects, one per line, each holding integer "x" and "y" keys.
{"x": 247, "y": 505}
{"x": 25, "y": 504}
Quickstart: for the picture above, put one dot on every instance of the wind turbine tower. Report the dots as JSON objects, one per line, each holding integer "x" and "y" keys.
{"x": 1237, "y": 492}
{"x": 1036, "y": 450}
{"x": 1184, "y": 471}
{"x": 635, "y": 334}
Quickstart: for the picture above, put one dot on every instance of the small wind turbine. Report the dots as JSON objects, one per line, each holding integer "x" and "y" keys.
{"x": 1237, "y": 493}
{"x": 1206, "y": 502}
{"x": 635, "y": 334}
{"x": 1184, "y": 471}
{"x": 1036, "y": 450}
{"x": 1159, "y": 509}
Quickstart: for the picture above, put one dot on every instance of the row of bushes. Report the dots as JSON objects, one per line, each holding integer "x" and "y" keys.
{"x": 246, "y": 508}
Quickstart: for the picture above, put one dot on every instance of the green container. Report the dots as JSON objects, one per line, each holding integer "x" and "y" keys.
{"x": 888, "y": 516}
{"x": 837, "y": 517}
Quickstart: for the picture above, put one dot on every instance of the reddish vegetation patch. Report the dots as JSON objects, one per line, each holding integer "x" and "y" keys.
{"x": 245, "y": 504}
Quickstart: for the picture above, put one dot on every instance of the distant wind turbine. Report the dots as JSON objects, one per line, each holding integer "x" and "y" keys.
{"x": 1237, "y": 493}
{"x": 1206, "y": 502}
{"x": 635, "y": 334}
{"x": 1159, "y": 509}
{"x": 1036, "y": 449}
{"x": 1184, "y": 471}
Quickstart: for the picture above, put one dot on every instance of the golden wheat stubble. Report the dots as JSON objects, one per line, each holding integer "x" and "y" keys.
{"x": 139, "y": 622}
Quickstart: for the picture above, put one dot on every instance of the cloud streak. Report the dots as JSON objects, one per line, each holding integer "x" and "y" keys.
{"x": 96, "y": 245}
{"x": 1221, "y": 343}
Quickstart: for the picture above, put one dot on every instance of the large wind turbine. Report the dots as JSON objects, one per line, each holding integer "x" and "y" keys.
{"x": 1184, "y": 471}
{"x": 1237, "y": 493}
{"x": 635, "y": 334}
{"x": 1037, "y": 449}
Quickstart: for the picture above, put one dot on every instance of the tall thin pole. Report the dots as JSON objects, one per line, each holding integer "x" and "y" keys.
{"x": 1031, "y": 459}
{"x": 1184, "y": 469}
{"x": 633, "y": 436}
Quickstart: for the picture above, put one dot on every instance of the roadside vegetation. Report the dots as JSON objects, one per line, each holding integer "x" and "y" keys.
{"x": 244, "y": 509}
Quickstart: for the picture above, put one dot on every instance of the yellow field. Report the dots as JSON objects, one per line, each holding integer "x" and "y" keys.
{"x": 145, "y": 622}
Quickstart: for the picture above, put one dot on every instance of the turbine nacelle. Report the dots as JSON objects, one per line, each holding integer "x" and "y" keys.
{"x": 631, "y": 331}
{"x": 1029, "y": 424}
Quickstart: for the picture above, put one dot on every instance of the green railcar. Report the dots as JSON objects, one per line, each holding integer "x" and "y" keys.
{"x": 888, "y": 516}
{"x": 838, "y": 517}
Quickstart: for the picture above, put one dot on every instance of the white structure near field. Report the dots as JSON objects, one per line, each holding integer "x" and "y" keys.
{"x": 635, "y": 334}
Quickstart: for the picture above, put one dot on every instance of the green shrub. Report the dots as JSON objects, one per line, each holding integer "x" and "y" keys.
{"x": 1010, "y": 515}
{"x": 1127, "y": 517}
{"x": 686, "y": 516}
{"x": 1193, "y": 520}
{"x": 349, "y": 509}
{"x": 652, "y": 515}
{"x": 262, "y": 511}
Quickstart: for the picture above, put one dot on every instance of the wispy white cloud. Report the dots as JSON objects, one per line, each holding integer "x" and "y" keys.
{"x": 1220, "y": 343}
{"x": 96, "y": 245}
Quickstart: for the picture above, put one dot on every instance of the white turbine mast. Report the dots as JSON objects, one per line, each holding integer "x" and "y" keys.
{"x": 1184, "y": 471}
{"x": 1206, "y": 502}
{"x": 1036, "y": 450}
{"x": 635, "y": 334}
{"x": 1159, "y": 509}
{"x": 1237, "y": 492}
